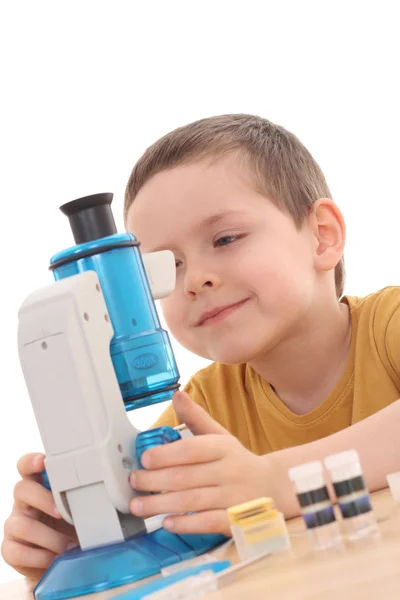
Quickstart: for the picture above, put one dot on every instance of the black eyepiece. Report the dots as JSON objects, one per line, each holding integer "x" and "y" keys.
{"x": 90, "y": 217}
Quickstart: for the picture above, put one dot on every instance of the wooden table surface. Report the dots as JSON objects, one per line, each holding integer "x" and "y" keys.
{"x": 369, "y": 570}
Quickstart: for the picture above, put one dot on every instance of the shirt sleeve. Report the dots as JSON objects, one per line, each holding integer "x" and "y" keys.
{"x": 392, "y": 343}
{"x": 168, "y": 417}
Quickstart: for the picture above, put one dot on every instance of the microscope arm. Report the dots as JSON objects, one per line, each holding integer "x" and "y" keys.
{"x": 64, "y": 339}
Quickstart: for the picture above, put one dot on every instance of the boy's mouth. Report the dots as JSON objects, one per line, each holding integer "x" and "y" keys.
{"x": 216, "y": 315}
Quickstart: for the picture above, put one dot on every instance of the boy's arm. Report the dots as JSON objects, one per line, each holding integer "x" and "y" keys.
{"x": 376, "y": 439}
{"x": 212, "y": 470}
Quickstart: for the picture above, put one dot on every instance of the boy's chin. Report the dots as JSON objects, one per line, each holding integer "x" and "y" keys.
{"x": 232, "y": 355}
{"x": 228, "y": 352}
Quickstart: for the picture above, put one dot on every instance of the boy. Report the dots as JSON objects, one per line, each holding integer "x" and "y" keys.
{"x": 298, "y": 372}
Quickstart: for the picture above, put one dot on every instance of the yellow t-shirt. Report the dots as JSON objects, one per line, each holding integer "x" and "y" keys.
{"x": 245, "y": 404}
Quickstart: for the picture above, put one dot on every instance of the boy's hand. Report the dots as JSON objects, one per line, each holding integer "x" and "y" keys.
{"x": 205, "y": 474}
{"x": 34, "y": 533}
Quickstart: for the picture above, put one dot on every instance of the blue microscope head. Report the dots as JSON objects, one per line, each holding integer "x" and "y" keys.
{"x": 140, "y": 349}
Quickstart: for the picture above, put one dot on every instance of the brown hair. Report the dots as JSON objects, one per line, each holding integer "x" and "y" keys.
{"x": 282, "y": 168}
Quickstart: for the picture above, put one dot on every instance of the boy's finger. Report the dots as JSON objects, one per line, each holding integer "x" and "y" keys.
{"x": 173, "y": 479}
{"x": 187, "y": 451}
{"x": 26, "y": 530}
{"x": 29, "y": 493}
{"x": 194, "y": 416}
{"x": 210, "y": 521}
{"x": 31, "y": 464}
{"x": 19, "y": 555}
{"x": 177, "y": 502}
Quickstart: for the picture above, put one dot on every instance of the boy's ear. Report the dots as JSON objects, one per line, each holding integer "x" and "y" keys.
{"x": 328, "y": 227}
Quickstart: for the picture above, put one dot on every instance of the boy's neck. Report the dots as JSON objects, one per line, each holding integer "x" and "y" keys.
{"x": 304, "y": 370}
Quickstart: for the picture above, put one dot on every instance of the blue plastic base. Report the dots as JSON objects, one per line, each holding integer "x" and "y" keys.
{"x": 77, "y": 572}
{"x": 160, "y": 583}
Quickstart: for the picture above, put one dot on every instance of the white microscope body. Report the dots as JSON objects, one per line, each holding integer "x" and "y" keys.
{"x": 64, "y": 339}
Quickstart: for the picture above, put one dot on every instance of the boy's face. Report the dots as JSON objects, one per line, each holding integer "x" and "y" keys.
{"x": 237, "y": 255}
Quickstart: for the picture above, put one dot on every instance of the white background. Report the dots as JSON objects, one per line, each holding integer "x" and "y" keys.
{"x": 87, "y": 86}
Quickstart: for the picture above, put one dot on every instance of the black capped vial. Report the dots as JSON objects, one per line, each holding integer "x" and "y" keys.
{"x": 316, "y": 506}
{"x": 352, "y": 495}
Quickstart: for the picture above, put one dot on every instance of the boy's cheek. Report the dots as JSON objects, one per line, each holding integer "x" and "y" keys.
{"x": 169, "y": 308}
{"x": 176, "y": 314}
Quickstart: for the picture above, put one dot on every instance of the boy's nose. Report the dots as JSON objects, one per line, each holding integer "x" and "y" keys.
{"x": 195, "y": 283}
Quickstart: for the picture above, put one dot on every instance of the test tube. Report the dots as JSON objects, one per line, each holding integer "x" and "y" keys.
{"x": 257, "y": 528}
{"x": 316, "y": 506}
{"x": 352, "y": 494}
{"x": 393, "y": 480}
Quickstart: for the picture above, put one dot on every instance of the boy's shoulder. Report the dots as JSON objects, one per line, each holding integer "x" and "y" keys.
{"x": 377, "y": 342}
{"x": 385, "y": 302}
{"x": 376, "y": 318}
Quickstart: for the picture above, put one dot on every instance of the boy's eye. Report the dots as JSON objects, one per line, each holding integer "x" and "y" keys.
{"x": 225, "y": 240}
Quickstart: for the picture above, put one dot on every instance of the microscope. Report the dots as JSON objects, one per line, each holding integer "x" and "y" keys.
{"x": 91, "y": 348}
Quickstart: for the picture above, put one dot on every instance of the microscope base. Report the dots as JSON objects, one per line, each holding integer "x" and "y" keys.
{"x": 77, "y": 572}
